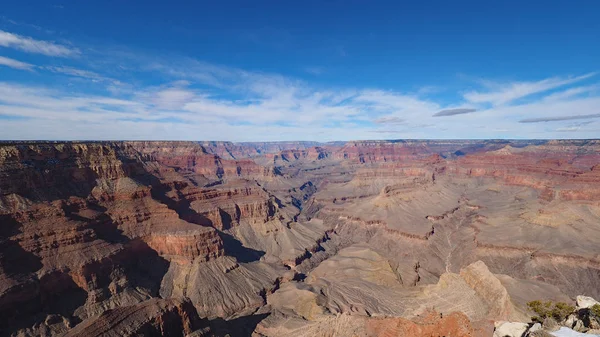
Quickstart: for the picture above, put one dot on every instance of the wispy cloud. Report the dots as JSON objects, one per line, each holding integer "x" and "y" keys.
{"x": 5, "y": 61}
{"x": 24, "y": 24}
{"x": 453, "y": 112}
{"x": 50, "y": 103}
{"x": 79, "y": 73}
{"x": 499, "y": 94}
{"x": 175, "y": 97}
{"x": 30, "y": 45}
{"x": 571, "y": 93}
{"x": 558, "y": 119}
{"x": 406, "y": 105}
{"x": 573, "y": 127}
{"x": 389, "y": 120}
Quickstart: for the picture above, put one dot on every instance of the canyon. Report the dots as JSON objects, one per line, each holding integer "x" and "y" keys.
{"x": 360, "y": 238}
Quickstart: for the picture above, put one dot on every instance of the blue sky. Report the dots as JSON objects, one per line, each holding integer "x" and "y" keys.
{"x": 279, "y": 70}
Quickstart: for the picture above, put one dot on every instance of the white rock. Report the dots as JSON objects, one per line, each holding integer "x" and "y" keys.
{"x": 584, "y": 302}
{"x": 566, "y": 332}
{"x": 579, "y": 326}
{"x": 498, "y": 324}
{"x": 570, "y": 321}
{"x": 510, "y": 329}
{"x": 534, "y": 328}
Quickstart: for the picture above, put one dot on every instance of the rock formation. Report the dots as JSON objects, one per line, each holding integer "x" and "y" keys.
{"x": 366, "y": 238}
{"x": 581, "y": 321}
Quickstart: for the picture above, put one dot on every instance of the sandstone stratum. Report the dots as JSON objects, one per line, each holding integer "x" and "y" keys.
{"x": 362, "y": 238}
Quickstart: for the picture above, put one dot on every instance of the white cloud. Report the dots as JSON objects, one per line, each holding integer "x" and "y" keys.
{"x": 173, "y": 98}
{"x": 30, "y": 45}
{"x": 570, "y": 93}
{"x": 193, "y": 100}
{"x": 5, "y": 61}
{"x": 42, "y": 102}
{"x": 397, "y": 103}
{"x": 505, "y": 93}
{"x": 271, "y": 109}
{"x": 77, "y": 72}
{"x": 188, "y": 69}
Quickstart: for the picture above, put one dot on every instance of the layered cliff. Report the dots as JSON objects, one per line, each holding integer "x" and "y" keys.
{"x": 99, "y": 224}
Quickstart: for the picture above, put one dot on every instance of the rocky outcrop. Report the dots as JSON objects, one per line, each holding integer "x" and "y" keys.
{"x": 586, "y": 302}
{"x": 489, "y": 287}
{"x": 510, "y": 329}
{"x": 203, "y": 245}
{"x": 164, "y": 317}
{"x": 581, "y": 322}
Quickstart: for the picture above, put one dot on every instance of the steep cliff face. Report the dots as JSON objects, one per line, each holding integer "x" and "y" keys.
{"x": 98, "y": 224}
{"x": 191, "y": 157}
{"x": 292, "y": 155}
{"x": 407, "y": 150}
{"x": 164, "y": 317}
{"x": 44, "y": 172}
{"x": 557, "y": 170}
{"x": 381, "y": 151}
{"x": 229, "y": 150}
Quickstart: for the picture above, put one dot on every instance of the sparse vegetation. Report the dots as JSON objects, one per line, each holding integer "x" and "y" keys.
{"x": 595, "y": 310}
{"x": 558, "y": 310}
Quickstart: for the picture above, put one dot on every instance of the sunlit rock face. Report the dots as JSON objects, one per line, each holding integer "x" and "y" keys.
{"x": 371, "y": 238}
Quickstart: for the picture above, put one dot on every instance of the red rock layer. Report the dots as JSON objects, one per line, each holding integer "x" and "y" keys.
{"x": 229, "y": 150}
{"x": 431, "y": 324}
{"x": 191, "y": 157}
{"x": 556, "y": 171}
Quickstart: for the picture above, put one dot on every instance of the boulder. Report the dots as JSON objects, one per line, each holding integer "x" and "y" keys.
{"x": 534, "y": 328}
{"x": 579, "y": 326}
{"x": 594, "y": 323}
{"x": 540, "y": 333}
{"x": 550, "y": 324}
{"x": 570, "y": 321}
{"x": 510, "y": 329}
{"x": 585, "y": 302}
